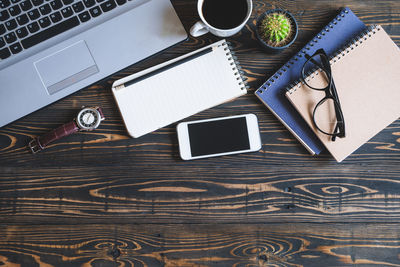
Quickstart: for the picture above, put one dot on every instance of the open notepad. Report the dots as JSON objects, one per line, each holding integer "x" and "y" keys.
{"x": 367, "y": 78}
{"x": 167, "y": 95}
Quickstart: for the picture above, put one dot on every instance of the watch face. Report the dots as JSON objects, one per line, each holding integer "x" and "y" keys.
{"x": 88, "y": 119}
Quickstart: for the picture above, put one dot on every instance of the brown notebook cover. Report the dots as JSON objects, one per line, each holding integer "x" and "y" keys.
{"x": 367, "y": 79}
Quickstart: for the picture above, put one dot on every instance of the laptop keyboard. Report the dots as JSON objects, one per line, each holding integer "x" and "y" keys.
{"x": 26, "y": 23}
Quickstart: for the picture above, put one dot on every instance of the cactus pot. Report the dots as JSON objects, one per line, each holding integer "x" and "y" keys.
{"x": 264, "y": 43}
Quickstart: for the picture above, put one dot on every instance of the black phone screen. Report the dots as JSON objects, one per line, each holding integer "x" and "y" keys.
{"x": 220, "y": 136}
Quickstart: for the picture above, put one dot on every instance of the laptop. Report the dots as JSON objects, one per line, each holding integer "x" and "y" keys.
{"x": 52, "y": 48}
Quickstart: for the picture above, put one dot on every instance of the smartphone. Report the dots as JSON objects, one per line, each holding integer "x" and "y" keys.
{"x": 218, "y": 137}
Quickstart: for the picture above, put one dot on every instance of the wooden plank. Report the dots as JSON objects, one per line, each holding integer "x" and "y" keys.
{"x": 205, "y": 192}
{"x": 201, "y": 245}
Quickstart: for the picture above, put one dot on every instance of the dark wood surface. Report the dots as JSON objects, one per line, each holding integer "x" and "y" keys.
{"x": 104, "y": 199}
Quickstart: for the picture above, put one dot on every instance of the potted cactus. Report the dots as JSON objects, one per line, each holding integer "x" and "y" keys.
{"x": 276, "y": 30}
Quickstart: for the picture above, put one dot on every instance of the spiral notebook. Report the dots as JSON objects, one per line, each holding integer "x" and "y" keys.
{"x": 179, "y": 88}
{"x": 335, "y": 35}
{"x": 367, "y": 77}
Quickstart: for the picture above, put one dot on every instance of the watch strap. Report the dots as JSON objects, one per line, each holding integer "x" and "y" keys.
{"x": 41, "y": 142}
{"x": 101, "y": 112}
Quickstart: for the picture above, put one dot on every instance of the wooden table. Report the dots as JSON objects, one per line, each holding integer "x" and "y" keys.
{"x": 104, "y": 199}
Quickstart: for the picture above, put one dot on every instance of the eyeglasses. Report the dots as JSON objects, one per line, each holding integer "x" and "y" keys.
{"x": 324, "y": 119}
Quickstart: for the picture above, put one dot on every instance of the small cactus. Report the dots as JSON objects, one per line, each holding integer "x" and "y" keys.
{"x": 276, "y": 29}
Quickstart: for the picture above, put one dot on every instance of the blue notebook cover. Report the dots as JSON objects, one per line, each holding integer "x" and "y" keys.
{"x": 337, "y": 33}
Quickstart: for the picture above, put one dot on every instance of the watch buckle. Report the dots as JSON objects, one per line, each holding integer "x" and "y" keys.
{"x": 34, "y": 146}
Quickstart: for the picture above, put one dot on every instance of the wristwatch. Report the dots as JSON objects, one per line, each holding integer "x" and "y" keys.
{"x": 87, "y": 119}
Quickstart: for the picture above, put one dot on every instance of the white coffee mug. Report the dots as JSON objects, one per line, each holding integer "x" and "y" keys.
{"x": 202, "y": 27}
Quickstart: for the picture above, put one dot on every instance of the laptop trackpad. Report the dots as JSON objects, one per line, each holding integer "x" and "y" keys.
{"x": 66, "y": 67}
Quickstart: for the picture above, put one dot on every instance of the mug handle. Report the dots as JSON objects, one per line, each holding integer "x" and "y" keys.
{"x": 199, "y": 28}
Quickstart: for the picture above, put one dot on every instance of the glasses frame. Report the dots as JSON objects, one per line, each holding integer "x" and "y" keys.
{"x": 330, "y": 92}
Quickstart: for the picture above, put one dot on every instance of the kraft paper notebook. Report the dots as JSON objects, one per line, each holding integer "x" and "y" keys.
{"x": 333, "y": 36}
{"x": 367, "y": 78}
{"x": 179, "y": 88}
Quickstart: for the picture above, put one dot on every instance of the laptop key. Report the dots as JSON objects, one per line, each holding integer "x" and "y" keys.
{"x": 107, "y": 6}
{"x": 14, "y": 10}
{"x": 2, "y": 42}
{"x": 4, "y": 15}
{"x": 2, "y": 29}
{"x": 50, "y": 32}
{"x": 78, "y": 7}
{"x": 15, "y": 1}
{"x": 45, "y": 9}
{"x": 23, "y": 19}
{"x": 56, "y": 4}
{"x": 44, "y": 22}
{"x": 26, "y": 5}
{"x": 10, "y": 37}
{"x": 11, "y": 24}
{"x": 95, "y": 11}
{"x": 67, "y": 2}
{"x": 121, "y": 2}
{"x": 21, "y": 32}
{"x": 67, "y": 12}
{"x": 34, "y": 14}
{"x": 4, "y": 3}
{"x": 4, "y": 53}
{"x": 37, "y": 2}
{"x": 84, "y": 16}
{"x": 15, "y": 48}
{"x": 89, "y": 3}
{"x": 33, "y": 27}
{"x": 56, "y": 17}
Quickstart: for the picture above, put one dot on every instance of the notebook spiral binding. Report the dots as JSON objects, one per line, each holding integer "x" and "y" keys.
{"x": 296, "y": 57}
{"x": 356, "y": 41}
{"x": 242, "y": 80}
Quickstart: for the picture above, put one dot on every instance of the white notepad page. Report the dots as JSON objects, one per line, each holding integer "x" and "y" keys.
{"x": 179, "y": 92}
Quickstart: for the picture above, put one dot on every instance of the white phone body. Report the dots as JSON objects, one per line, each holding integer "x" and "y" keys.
{"x": 218, "y": 137}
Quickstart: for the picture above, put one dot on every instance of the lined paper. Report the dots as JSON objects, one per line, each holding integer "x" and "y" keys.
{"x": 179, "y": 92}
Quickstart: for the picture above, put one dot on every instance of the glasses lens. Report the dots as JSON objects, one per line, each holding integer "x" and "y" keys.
{"x": 319, "y": 80}
{"x": 325, "y": 116}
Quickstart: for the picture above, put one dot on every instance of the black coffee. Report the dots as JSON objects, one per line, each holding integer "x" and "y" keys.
{"x": 224, "y": 14}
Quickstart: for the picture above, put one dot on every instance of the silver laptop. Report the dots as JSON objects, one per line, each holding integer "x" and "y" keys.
{"x": 52, "y": 48}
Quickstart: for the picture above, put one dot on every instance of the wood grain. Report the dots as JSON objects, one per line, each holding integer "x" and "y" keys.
{"x": 207, "y": 192}
{"x": 199, "y": 245}
{"x": 74, "y": 204}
